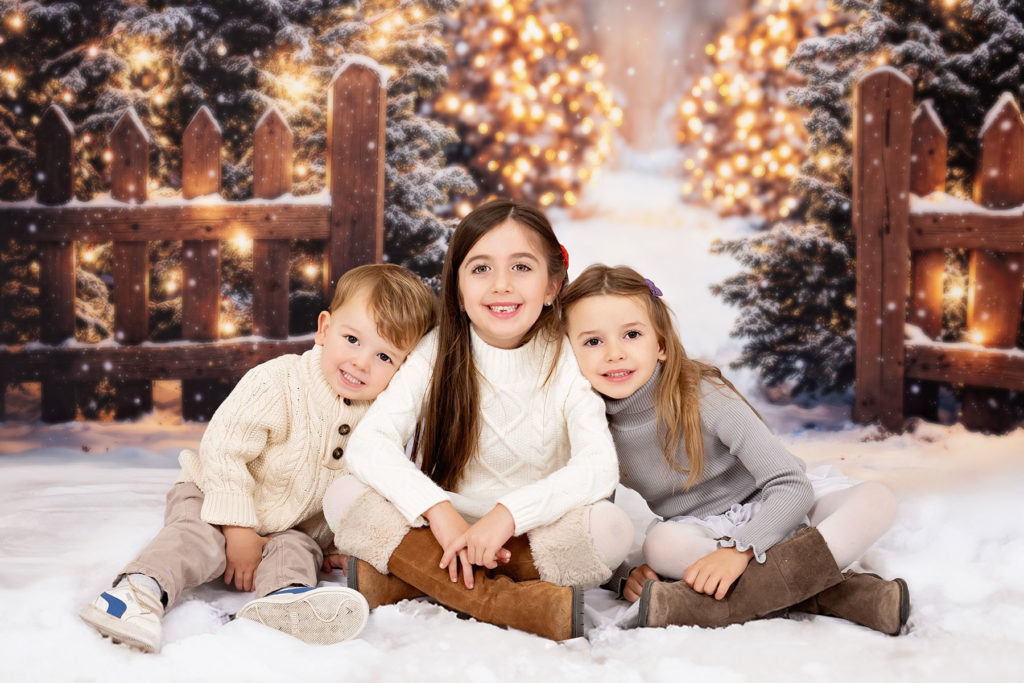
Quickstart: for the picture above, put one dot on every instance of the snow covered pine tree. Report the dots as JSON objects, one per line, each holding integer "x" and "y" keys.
{"x": 796, "y": 292}
{"x": 238, "y": 58}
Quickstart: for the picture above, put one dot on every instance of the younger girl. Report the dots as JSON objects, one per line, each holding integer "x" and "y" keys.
{"x": 514, "y": 451}
{"x": 728, "y": 490}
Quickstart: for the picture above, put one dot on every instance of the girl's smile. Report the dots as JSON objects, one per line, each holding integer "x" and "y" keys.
{"x": 614, "y": 342}
{"x": 504, "y": 284}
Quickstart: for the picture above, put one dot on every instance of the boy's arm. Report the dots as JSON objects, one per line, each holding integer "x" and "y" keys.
{"x": 252, "y": 415}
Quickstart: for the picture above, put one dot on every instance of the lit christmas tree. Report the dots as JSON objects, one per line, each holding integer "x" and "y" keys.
{"x": 238, "y": 58}
{"x": 796, "y": 293}
{"x": 745, "y": 140}
{"x": 534, "y": 118}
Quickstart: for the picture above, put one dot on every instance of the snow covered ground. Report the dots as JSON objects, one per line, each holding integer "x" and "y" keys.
{"x": 78, "y": 500}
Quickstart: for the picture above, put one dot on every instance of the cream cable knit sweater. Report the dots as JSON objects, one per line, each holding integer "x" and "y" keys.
{"x": 267, "y": 456}
{"x": 544, "y": 448}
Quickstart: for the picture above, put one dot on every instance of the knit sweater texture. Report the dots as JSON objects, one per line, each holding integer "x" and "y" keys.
{"x": 743, "y": 462}
{"x": 544, "y": 447}
{"x": 268, "y": 454}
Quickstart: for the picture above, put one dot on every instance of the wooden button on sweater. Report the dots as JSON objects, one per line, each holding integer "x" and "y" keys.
{"x": 338, "y": 452}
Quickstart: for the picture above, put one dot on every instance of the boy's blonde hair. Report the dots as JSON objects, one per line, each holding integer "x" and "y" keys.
{"x": 403, "y": 308}
{"x": 677, "y": 396}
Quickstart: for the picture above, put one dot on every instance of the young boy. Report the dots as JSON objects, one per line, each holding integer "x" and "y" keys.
{"x": 248, "y": 505}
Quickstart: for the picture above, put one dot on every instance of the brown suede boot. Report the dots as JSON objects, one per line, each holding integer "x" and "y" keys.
{"x": 535, "y": 606}
{"x": 520, "y": 567}
{"x": 865, "y": 599}
{"x": 378, "y": 589}
{"x": 793, "y": 571}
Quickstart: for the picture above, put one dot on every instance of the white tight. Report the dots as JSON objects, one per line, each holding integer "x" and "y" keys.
{"x": 611, "y": 529}
{"x": 850, "y": 521}
{"x": 339, "y": 498}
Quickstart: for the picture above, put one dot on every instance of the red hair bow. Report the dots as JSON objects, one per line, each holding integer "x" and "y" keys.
{"x": 565, "y": 256}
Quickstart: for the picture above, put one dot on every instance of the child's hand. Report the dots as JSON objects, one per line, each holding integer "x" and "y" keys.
{"x": 335, "y": 561}
{"x": 449, "y": 529}
{"x": 243, "y": 548}
{"x": 485, "y": 539}
{"x": 716, "y": 572}
{"x": 635, "y": 583}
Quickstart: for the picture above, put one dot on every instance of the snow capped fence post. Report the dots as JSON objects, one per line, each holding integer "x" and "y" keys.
{"x": 892, "y": 157}
{"x": 54, "y": 145}
{"x": 883, "y": 106}
{"x": 996, "y": 278}
{"x": 927, "y": 175}
{"x": 272, "y": 177}
{"x": 356, "y": 120}
{"x": 129, "y": 183}
{"x": 200, "y": 263}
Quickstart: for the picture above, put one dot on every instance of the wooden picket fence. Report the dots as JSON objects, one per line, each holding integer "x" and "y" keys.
{"x": 349, "y": 216}
{"x": 899, "y": 159}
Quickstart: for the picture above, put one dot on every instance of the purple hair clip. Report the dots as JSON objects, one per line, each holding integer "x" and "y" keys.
{"x": 653, "y": 287}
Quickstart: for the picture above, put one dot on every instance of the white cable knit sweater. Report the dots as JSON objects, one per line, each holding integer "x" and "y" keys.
{"x": 273, "y": 447}
{"x": 544, "y": 448}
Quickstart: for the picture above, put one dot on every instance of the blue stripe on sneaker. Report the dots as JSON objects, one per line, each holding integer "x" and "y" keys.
{"x": 115, "y": 607}
{"x": 294, "y": 589}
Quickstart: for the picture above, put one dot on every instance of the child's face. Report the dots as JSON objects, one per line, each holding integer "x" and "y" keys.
{"x": 356, "y": 361}
{"x": 504, "y": 284}
{"x": 614, "y": 342}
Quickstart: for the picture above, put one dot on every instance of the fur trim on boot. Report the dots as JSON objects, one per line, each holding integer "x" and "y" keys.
{"x": 371, "y": 530}
{"x": 564, "y": 552}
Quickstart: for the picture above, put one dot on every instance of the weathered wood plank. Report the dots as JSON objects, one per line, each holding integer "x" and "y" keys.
{"x": 200, "y": 295}
{"x": 129, "y": 182}
{"x": 57, "y": 321}
{"x": 272, "y": 170}
{"x": 200, "y": 156}
{"x": 55, "y": 140}
{"x": 927, "y": 175}
{"x": 153, "y": 222}
{"x": 194, "y": 360}
{"x": 270, "y": 288}
{"x": 883, "y": 107}
{"x": 129, "y": 169}
{"x": 967, "y": 231}
{"x": 995, "y": 279}
{"x": 355, "y": 170}
{"x": 273, "y": 145}
{"x": 131, "y": 321}
{"x": 965, "y": 366}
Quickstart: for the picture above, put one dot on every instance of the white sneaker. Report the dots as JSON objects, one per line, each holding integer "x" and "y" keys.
{"x": 318, "y": 616}
{"x": 127, "y": 614}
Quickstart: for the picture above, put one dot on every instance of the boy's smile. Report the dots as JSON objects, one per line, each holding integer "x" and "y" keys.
{"x": 356, "y": 361}
{"x": 614, "y": 342}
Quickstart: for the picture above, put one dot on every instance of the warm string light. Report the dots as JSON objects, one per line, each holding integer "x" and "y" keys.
{"x": 541, "y": 140}
{"x": 746, "y": 143}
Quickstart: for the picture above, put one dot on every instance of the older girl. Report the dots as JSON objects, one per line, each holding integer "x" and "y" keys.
{"x": 514, "y": 451}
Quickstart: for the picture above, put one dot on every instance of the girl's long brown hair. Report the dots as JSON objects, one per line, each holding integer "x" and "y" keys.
{"x": 450, "y": 425}
{"x": 677, "y": 396}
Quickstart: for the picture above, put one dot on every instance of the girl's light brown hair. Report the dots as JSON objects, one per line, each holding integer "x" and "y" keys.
{"x": 677, "y": 396}
{"x": 450, "y": 425}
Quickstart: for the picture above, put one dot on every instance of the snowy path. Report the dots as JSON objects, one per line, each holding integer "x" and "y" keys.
{"x": 78, "y": 500}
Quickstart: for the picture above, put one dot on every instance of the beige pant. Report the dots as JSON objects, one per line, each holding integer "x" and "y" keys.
{"x": 188, "y": 552}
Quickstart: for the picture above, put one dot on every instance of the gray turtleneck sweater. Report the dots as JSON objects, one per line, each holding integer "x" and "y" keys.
{"x": 743, "y": 462}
